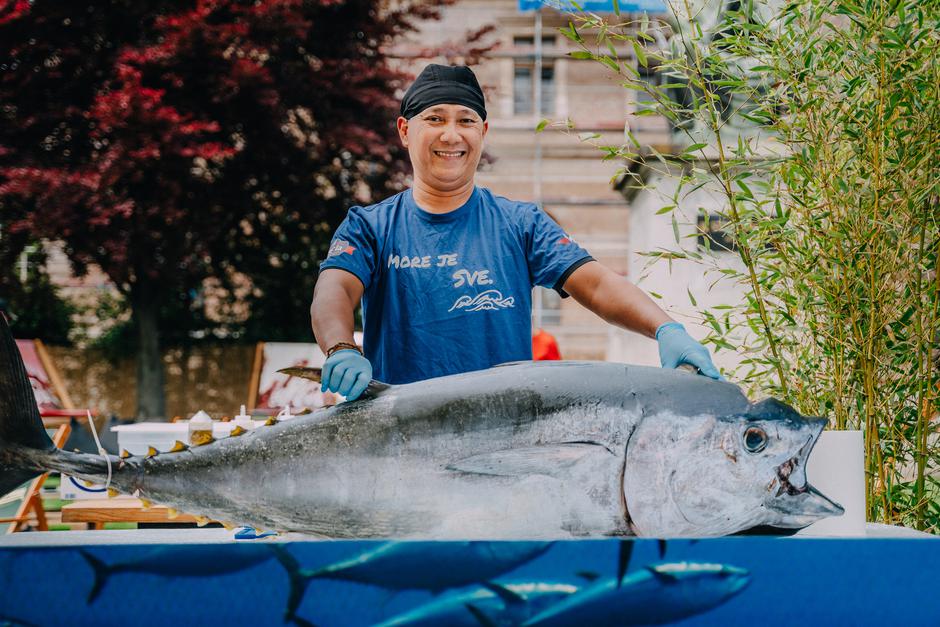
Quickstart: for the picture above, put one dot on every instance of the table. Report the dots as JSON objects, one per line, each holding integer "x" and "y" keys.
{"x": 97, "y": 512}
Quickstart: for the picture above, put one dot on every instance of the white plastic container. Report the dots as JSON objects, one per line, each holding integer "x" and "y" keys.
{"x": 243, "y": 420}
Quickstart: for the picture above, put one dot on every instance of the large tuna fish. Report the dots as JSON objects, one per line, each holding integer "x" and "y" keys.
{"x": 534, "y": 450}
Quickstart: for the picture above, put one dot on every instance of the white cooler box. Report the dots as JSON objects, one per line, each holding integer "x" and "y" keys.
{"x": 137, "y": 439}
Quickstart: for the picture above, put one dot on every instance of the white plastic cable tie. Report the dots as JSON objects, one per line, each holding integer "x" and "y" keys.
{"x": 101, "y": 451}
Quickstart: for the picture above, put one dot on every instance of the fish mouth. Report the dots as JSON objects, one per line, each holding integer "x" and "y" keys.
{"x": 796, "y": 503}
{"x": 791, "y": 474}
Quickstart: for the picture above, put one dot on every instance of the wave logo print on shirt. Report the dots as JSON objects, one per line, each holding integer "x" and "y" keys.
{"x": 484, "y": 301}
{"x": 339, "y": 247}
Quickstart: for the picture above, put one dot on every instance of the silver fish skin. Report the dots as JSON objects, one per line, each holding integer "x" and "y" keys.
{"x": 528, "y": 450}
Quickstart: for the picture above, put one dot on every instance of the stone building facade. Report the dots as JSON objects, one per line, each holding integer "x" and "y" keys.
{"x": 574, "y": 184}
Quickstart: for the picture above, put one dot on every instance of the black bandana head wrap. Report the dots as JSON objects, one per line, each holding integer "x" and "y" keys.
{"x": 443, "y": 84}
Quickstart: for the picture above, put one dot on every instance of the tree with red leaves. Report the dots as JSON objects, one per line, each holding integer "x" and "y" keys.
{"x": 168, "y": 142}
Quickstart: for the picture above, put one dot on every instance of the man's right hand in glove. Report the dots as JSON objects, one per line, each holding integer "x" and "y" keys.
{"x": 346, "y": 372}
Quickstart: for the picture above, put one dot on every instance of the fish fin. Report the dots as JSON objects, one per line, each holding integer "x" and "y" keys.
{"x": 478, "y": 614}
{"x": 588, "y": 575}
{"x": 172, "y": 513}
{"x": 303, "y": 622}
{"x": 299, "y": 579}
{"x": 663, "y": 575}
{"x": 508, "y": 597}
{"x": 178, "y": 447}
{"x": 101, "y": 571}
{"x": 227, "y": 525}
{"x": 375, "y": 388}
{"x": 314, "y": 374}
{"x": 146, "y": 504}
{"x": 125, "y": 453}
{"x": 112, "y": 493}
{"x": 623, "y": 559}
{"x": 237, "y": 431}
{"x": 20, "y": 424}
{"x": 152, "y": 452}
{"x": 549, "y": 459}
{"x": 201, "y": 521}
{"x": 272, "y": 420}
{"x": 661, "y": 544}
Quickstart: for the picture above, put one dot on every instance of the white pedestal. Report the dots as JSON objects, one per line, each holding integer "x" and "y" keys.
{"x": 837, "y": 469}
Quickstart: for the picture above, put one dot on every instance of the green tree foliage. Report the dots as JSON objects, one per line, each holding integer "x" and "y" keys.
{"x": 34, "y": 307}
{"x": 169, "y": 142}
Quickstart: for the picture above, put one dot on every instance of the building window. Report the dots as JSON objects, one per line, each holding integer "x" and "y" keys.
{"x": 524, "y": 76}
{"x": 546, "y": 308}
{"x": 713, "y": 234}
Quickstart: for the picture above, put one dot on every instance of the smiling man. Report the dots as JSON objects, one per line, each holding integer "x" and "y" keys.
{"x": 445, "y": 269}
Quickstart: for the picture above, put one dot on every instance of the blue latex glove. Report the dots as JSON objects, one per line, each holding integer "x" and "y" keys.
{"x": 346, "y": 372}
{"x": 249, "y": 533}
{"x": 676, "y": 347}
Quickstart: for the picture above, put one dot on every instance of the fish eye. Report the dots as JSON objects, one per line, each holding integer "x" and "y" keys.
{"x": 755, "y": 439}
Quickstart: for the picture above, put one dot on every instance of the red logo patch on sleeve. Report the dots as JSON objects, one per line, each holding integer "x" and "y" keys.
{"x": 339, "y": 247}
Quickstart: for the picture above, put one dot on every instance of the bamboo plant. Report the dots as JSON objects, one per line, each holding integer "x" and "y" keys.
{"x": 818, "y": 124}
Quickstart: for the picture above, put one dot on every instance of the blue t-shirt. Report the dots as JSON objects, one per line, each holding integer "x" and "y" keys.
{"x": 449, "y": 293}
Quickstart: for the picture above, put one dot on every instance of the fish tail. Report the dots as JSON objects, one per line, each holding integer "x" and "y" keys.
{"x": 22, "y": 434}
{"x": 299, "y": 580}
{"x": 302, "y": 622}
{"x": 102, "y": 571}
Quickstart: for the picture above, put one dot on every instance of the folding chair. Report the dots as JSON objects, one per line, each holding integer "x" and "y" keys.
{"x": 55, "y": 404}
{"x": 26, "y": 500}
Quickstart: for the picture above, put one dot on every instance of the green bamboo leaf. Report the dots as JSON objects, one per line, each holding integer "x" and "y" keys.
{"x": 665, "y": 209}
{"x": 691, "y": 298}
{"x": 609, "y": 63}
{"x": 610, "y": 46}
{"x": 572, "y": 33}
{"x": 640, "y": 53}
{"x": 541, "y": 125}
{"x": 616, "y": 8}
{"x": 675, "y": 228}
{"x": 580, "y": 54}
{"x": 631, "y": 136}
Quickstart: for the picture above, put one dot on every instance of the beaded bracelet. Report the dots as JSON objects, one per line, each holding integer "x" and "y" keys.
{"x": 339, "y": 346}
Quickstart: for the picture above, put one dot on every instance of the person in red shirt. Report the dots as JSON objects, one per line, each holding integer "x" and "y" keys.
{"x": 544, "y": 346}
